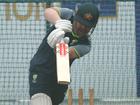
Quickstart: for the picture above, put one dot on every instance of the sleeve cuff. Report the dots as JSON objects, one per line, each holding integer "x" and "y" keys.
{"x": 77, "y": 54}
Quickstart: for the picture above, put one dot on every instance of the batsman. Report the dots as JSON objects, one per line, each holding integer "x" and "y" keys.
{"x": 74, "y": 27}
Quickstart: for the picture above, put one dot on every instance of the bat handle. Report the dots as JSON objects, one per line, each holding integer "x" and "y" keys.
{"x": 65, "y": 40}
{"x": 62, "y": 41}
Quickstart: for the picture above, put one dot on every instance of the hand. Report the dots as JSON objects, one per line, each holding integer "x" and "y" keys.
{"x": 55, "y": 37}
{"x": 65, "y": 25}
{"x": 66, "y": 39}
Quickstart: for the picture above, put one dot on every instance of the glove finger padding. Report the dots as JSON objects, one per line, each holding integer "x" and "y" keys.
{"x": 65, "y": 25}
{"x": 57, "y": 39}
{"x": 54, "y": 37}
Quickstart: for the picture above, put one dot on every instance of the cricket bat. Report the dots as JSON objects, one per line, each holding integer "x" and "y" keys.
{"x": 62, "y": 62}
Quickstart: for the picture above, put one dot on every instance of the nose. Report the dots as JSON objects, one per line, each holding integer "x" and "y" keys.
{"x": 84, "y": 28}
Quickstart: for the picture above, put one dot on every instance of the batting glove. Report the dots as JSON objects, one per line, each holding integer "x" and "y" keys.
{"x": 63, "y": 24}
{"x": 55, "y": 37}
{"x": 66, "y": 39}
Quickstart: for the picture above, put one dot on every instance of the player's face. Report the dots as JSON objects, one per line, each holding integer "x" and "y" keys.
{"x": 80, "y": 29}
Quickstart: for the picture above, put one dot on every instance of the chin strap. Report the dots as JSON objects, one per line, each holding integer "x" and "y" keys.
{"x": 91, "y": 31}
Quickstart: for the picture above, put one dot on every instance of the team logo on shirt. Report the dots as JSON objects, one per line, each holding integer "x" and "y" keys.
{"x": 34, "y": 78}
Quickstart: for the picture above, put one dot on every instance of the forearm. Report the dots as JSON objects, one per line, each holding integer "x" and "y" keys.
{"x": 72, "y": 53}
{"x": 52, "y": 15}
{"x": 79, "y": 51}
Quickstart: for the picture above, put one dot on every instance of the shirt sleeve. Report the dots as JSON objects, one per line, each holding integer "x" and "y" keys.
{"x": 81, "y": 50}
{"x": 66, "y": 13}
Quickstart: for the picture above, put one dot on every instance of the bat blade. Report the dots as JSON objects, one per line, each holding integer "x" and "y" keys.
{"x": 62, "y": 61}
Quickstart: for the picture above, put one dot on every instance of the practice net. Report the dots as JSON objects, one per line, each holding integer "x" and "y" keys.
{"x": 110, "y": 68}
